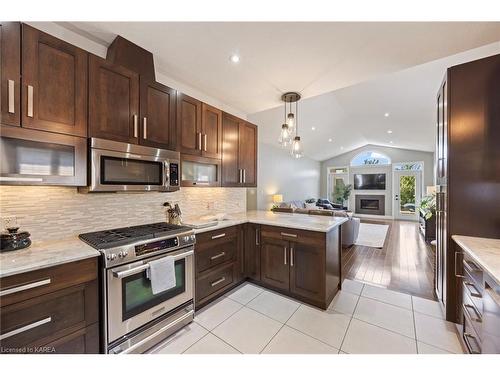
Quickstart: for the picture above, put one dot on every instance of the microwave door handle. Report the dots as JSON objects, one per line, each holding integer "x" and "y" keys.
{"x": 166, "y": 173}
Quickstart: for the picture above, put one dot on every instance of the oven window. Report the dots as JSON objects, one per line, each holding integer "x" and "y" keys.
{"x": 123, "y": 171}
{"x": 138, "y": 296}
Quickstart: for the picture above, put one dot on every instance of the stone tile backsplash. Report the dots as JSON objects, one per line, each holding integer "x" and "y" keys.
{"x": 49, "y": 212}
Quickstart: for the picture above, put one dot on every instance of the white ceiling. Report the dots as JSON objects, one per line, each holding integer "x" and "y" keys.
{"x": 354, "y": 116}
{"x": 312, "y": 58}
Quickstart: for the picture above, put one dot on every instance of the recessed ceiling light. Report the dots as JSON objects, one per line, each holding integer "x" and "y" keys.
{"x": 234, "y": 58}
{"x": 329, "y": 139}
{"x": 391, "y": 142}
{"x": 386, "y": 114}
{"x": 341, "y": 147}
{"x": 389, "y": 131}
{"x": 313, "y": 128}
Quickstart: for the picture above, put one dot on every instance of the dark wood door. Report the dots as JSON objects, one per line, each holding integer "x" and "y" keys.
{"x": 211, "y": 125}
{"x": 275, "y": 258}
{"x": 251, "y": 253}
{"x": 10, "y": 73}
{"x": 54, "y": 76}
{"x": 189, "y": 136}
{"x": 231, "y": 173}
{"x": 307, "y": 265}
{"x": 248, "y": 153}
{"x": 114, "y": 101}
{"x": 157, "y": 115}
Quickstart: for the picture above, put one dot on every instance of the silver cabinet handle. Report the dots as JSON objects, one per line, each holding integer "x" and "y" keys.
{"x": 218, "y": 256}
{"x": 288, "y": 235}
{"x": 219, "y": 236}
{"x": 456, "y": 263}
{"x": 244, "y": 176}
{"x": 475, "y": 292}
{"x": 30, "y": 101}
{"x": 136, "y": 126}
{"x": 284, "y": 255}
{"x": 291, "y": 255}
{"x": 204, "y": 142}
{"x": 21, "y": 288}
{"x": 11, "y": 96}
{"x": 240, "y": 178}
{"x": 257, "y": 237}
{"x": 468, "y": 335}
{"x": 222, "y": 279}
{"x": 25, "y": 328}
{"x": 199, "y": 141}
{"x": 145, "y": 128}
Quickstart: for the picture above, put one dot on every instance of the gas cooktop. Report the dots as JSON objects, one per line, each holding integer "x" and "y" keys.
{"x": 106, "y": 239}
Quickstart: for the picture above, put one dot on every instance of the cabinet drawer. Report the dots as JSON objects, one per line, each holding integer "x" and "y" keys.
{"x": 473, "y": 314}
{"x": 38, "y": 320}
{"x": 293, "y": 235}
{"x": 17, "y": 288}
{"x": 208, "y": 239}
{"x": 215, "y": 281}
{"x": 214, "y": 255}
{"x": 472, "y": 291}
{"x": 471, "y": 338}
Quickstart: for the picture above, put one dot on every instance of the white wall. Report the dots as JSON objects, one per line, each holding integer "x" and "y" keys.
{"x": 397, "y": 155}
{"x": 279, "y": 173}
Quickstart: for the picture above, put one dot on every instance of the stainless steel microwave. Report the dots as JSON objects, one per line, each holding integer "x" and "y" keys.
{"x": 123, "y": 167}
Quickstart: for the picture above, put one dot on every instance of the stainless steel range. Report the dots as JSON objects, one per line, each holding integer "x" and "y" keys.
{"x": 134, "y": 318}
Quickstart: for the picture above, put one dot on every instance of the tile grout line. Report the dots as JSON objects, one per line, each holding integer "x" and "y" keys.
{"x": 350, "y": 320}
{"x": 279, "y": 330}
{"x": 414, "y": 324}
{"x": 208, "y": 332}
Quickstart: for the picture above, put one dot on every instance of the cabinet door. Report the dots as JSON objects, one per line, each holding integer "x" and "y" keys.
{"x": 307, "y": 271}
{"x": 252, "y": 251}
{"x": 274, "y": 257}
{"x": 248, "y": 153}
{"x": 231, "y": 175}
{"x": 211, "y": 125}
{"x": 54, "y": 75}
{"x": 10, "y": 73}
{"x": 157, "y": 115}
{"x": 114, "y": 101}
{"x": 189, "y": 137}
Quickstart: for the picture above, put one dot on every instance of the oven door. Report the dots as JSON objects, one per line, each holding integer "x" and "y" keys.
{"x": 130, "y": 300}
{"x": 123, "y": 171}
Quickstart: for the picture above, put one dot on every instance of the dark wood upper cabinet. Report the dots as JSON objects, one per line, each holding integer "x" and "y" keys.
{"x": 189, "y": 135}
{"x": 113, "y": 101}
{"x": 211, "y": 128}
{"x": 274, "y": 258}
{"x": 303, "y": 259}
{"x": 158, "y": 128}
{"x": 54, "y": 84}
{"x": 239, "y": 152}
{"x": 248, "y": 153}
{"x": 10, "y": 73}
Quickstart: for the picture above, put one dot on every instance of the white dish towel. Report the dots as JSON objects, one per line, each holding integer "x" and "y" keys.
{"x": 161, "y": 272}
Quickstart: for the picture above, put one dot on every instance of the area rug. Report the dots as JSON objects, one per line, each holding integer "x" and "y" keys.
{"x": 372, "y": 235}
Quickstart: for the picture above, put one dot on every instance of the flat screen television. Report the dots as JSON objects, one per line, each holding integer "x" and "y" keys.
{"x": 375, "y": 181}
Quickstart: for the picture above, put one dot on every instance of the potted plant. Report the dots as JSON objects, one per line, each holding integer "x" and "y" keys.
{"x": 341, "y": 192}
{"x": 427, "y": 206}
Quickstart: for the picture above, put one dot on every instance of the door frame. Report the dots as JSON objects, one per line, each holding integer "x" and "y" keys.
{"x": 396, "y": 174}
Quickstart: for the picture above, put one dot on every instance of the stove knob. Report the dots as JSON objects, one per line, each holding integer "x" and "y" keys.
{"x": 122, "y": 254}
{"x": 125, "y": 253}
{"x": 113, "y": 256}
{"x": 108, "y": 257}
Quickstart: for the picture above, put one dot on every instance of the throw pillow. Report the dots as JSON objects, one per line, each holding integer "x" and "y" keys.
{"x": 310, "y": 206}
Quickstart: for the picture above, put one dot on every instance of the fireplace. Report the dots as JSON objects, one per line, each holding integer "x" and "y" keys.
{"x": 370, "y": 204}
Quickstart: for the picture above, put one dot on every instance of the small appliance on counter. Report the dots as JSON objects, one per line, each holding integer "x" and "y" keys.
{"x": 12, "y": 239}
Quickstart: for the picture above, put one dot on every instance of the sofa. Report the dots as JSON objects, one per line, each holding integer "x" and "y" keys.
{"x": 350, "y": 229}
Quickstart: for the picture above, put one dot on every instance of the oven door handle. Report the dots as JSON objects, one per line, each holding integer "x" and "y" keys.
{"x": 143, "y": 267}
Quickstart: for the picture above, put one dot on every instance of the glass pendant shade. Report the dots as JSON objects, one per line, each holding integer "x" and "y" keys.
{"x": 285, "y": 138}
{"x": 296, "y": 148}
{"x": 290, "y": 120}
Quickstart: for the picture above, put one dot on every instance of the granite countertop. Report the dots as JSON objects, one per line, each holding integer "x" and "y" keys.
{"x": 314, "y": 223}
{"x": 45, "y": 254}
{"x": 485, "y": 251}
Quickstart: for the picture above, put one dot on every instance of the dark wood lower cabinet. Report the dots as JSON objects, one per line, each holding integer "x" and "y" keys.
{"x": 57, "y": 312}
{"x": 307, "y": 277}
{"x": 251, "y": 252}
{"x": 275, "y": 269}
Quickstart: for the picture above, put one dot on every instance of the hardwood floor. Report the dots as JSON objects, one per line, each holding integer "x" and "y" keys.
{"x": 405, "y": 263}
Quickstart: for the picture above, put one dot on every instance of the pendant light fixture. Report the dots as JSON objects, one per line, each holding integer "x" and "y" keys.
{"x": 289, "y": 130}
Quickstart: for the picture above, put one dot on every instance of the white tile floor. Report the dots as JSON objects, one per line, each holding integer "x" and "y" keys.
{"x": 362, "y": 319}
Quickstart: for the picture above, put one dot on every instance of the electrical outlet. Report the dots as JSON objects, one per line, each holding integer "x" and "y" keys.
{"x": 9, "y": 222}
